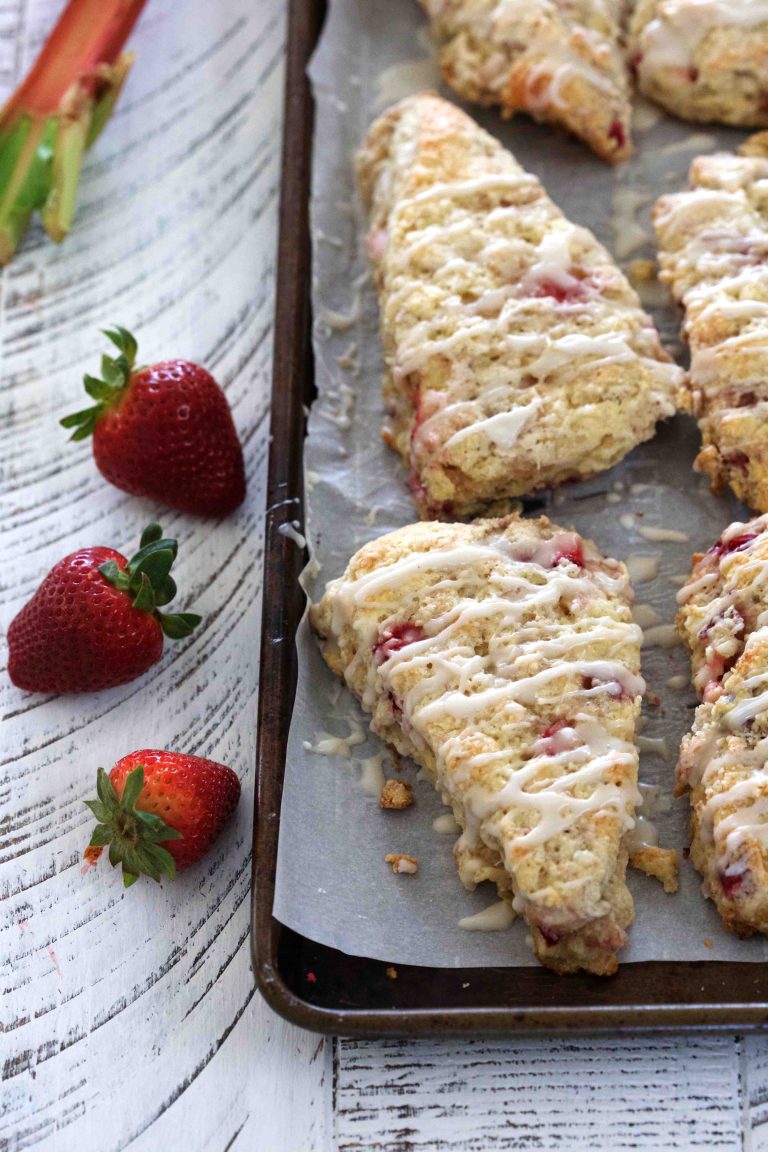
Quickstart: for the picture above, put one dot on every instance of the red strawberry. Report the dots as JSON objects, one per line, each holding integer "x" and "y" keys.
{"x": 164, "y": 432}
{"x": 160, "y": 811}
{"x": 94, "y": 621}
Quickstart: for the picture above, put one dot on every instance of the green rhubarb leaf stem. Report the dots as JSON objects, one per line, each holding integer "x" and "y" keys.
{"x": 59, "y": 207}
{"x": 57, "y": 113}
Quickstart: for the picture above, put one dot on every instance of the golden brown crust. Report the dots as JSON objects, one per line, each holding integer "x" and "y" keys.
{"x": 401, "y": 864}
{"x": 396, "y": 795}
{"x": 662, "y": 864}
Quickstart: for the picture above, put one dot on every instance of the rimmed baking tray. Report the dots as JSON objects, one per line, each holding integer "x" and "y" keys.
{"x": 318, "y": 987}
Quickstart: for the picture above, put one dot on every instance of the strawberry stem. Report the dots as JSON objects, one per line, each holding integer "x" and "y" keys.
{"x": 134, "y": 837}
{"x": 57, "y": 113}
{"x": 147, "y": 580}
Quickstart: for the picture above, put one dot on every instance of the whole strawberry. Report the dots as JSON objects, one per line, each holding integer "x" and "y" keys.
{"x": 164, "y": 432}
{"x": 95, "y": 622}
{"x": 160, "y": 811}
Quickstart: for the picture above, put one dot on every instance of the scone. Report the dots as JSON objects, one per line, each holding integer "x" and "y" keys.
{"x": 703, "y": 59}
{"x": 501, "y": 656}
{"x": 517, "y": 355}
{"x": 723, "y": 619}
{"x": 713, "y": 243}
{"x": 559, "y": 62}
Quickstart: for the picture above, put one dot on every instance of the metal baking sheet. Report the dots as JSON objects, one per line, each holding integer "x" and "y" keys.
{"x": 321, "y": 987}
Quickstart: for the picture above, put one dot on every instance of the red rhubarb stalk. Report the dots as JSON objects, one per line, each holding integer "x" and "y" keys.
{"x": 57, "y": 113}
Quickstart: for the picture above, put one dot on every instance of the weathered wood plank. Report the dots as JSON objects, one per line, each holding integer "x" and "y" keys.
{"x": 673, "y": 1094}
{"x": 130, "y": 1019}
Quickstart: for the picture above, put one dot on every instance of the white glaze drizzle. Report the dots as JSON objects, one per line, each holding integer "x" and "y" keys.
{"x": 662, "y": 535}
{"x": 291, "y": 530}
{"x": 446, "y": 824}
{"x": 326, "y": 744}
{"x": 643, "y": 569}
{"x": 655, "y": 746}
{"x": 495, "y": 333}
{"x": 372, "y": 773}
{"x": 495, "y": 918}
{"x": 661, "y": 636}
{"x": 670, "y": 40}
{"x": 445, "y": 686}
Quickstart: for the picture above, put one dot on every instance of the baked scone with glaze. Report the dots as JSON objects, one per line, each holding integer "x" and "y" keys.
{"x": 501, "y": 656}
{"x": 703, "y": 60}
{"x": 562, "y": 63}
{"x": 516, "y": 353}
{"x": 713, "y": 243}
{"x": 723, "y": 619}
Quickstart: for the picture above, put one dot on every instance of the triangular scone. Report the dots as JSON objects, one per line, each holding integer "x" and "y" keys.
{"x": 723, "y": 619}
{"x": 558, "y": 62}
{"x": 713, "y": 242}
{"x": 501, "y": 656}
{"x": 517, "y": 355}
{"x": 703, "y": 60}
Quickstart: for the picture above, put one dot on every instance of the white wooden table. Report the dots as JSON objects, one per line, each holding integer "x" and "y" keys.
{"x": 130, "y": 1020}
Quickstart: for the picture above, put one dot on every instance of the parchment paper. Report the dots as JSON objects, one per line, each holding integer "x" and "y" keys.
{"x": 332, "y": 882}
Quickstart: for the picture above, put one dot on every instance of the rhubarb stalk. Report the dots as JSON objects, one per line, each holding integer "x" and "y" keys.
{"x": 57, "y": 113}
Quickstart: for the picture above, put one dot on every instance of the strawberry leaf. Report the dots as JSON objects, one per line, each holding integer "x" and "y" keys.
{"x": 124, "y": 341}
{"x": 151, "y": 534}
{"x": 133, "y": 785}
{"x": 83, "y": 422}
{"x": 116, "y": 575}
{"x": 101, "y": 811}
{"x": 155, "y": 564}
{"x": 179, "y": 624}
{"x": 101, "y": 836}
{"x": 144, "y": 599}
{"x": 165, "y": 591}
{"x": 155, "y": 827}
{"x": 106, "y": 790}
{"x": 97, "y": 389}
{"x": 160, "y": 858}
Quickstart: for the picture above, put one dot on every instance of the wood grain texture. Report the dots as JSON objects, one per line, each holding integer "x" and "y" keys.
{"x": 130, "y": 1020}
{"x": 672, "y": 1094}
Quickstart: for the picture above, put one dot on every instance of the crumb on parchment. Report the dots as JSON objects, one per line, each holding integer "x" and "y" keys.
{"x": 709, "y": 942}
{"x": 660, "y": 863}
{"x": 641, "y": 271}
{"x": 401, "y": 864}
{"x": 392, "y": 973}
{"x": 396, "y": 795}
